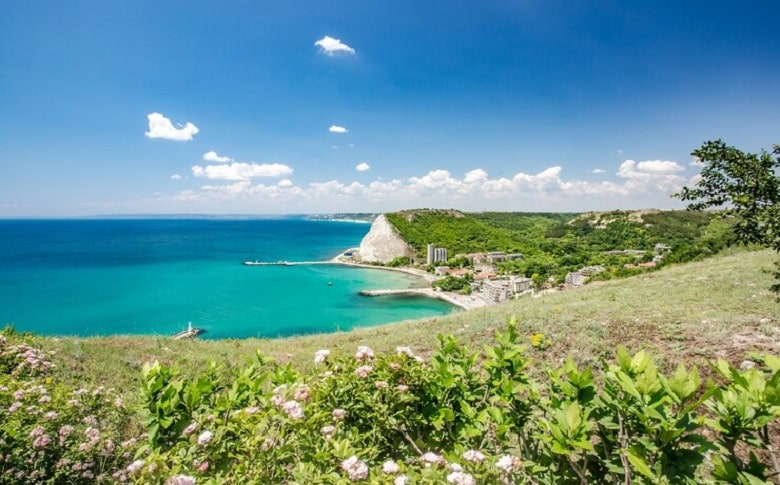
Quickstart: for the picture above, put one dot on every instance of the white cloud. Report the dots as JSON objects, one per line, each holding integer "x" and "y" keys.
{"x": 337, "y": 129}
{"x": 598, "y": 170}
{"x": 162, "y": 127}
{"x": 696, "y": 162}
{"x": 636, "y": 185}
{"x": 362, "y": 167}
{"x": 176, "y": 176}
{"x": 241, "y": 171}
{"x": 212, "y": 156}
{"x": 331, "y": 46}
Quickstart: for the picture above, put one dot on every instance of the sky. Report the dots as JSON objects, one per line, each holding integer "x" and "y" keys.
{"x": 290, "y": 107}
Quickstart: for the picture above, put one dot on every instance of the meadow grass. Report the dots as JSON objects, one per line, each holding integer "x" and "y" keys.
{"x": 719, "y": 307}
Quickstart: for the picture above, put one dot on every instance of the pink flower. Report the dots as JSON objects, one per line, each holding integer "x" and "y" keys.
{"x": 364, "y": 353}
{"x": 404, "y": 351}
{"x": 41, "y": 441}
{"x": 363, "y": 371}
{"x": 14, "y": 406}
{"x": 356, "y": 469}
{"x": 400, "y": 480}
{"x": 51, "y": 415}
{"x": 277, "y": 400}
{"x": 135, "y": 466}
{"x": 338, "y": 414}
{"x": 293, "y": 409}
{"x": 180, "y": 480}
{"x": 508, "y": 463}
{"x": 461, "y": 478}
{"x": 252, "y": 410}
{"x": 402, "y": 388}
{"x": 390, "y": 467}
{"x": 431, "y": 458}
{"x": 381, "y": 384}
{"x": 37, "y": 431}
{"x": 189, "y": 429}
{"x": 203, "y": 467}
{"x": 302, "y": 393}
{"x": 321, "y": 356}
{"x": 474, "y": 456}
{"x": 205, "y": 437}
{"x": 327, "y": 431}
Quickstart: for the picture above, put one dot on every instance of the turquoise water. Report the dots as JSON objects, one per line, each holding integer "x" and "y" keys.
{"x": 119, "y": 276}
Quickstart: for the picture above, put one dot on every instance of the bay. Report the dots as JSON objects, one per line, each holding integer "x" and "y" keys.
{"x": 152, "y": 276}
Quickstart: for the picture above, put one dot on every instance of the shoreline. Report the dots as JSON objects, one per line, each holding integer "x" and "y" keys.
{"x": 464, "y": 302}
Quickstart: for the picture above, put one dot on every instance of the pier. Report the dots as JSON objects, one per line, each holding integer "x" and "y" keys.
{"x": 285, "y": 263}
{"x": 190, "y": 332}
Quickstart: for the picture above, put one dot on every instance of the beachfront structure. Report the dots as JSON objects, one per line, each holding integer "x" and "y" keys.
{"x": 436, "y": 255}
{"x": 496, "y": 290}
{"x": 519, "y": 285}
{"x": 495, "y": 256}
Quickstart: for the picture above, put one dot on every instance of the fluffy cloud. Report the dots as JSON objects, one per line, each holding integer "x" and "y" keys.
{"x": 363, "y": 167}
{"x": 637, "y": 185}
{"x": 162, "y": 127}
{"x": 337, "y": 129}
{"x": 212, "y": 156}
{"x": 176, "y": 176}
{"x": 598, "y": 170}
{"x": 241, "y": 171}
{"x": 331, "y": 46}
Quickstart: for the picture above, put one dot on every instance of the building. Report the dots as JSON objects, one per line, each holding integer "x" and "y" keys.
{"x": 513, "y": 257}
{"x": 519, "y": 284}
{"x": 578, "y": 278}
{"x": 436, "y": 255}
{"x": 495, "y": 256}
{"x": 496, "y": 290}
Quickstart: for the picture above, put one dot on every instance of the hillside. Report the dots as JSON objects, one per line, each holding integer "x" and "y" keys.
{"x": 695, "y": 311}
{"x": 516, "y": 392}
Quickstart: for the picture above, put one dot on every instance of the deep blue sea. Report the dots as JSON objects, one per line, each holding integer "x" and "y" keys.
{"x": 152, "y": 276}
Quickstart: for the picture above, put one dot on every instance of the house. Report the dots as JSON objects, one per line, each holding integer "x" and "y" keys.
{"x": 495, "y": 256}
{"x": 514, "y": 256}
{"x": 477, "y": 258}
{"x": 441, "y": 270}
{"x": 519, "y": 284}
{"x": 485, "y": 268}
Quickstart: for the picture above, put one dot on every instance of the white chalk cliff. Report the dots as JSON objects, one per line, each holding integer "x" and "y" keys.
{"x": 382, "y": 243}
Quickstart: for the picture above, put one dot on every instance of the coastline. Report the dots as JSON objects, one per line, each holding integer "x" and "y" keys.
{"x": 464, "y": 302}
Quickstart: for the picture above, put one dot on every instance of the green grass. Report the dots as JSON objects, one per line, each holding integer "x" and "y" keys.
{"x": 692, "y": 313}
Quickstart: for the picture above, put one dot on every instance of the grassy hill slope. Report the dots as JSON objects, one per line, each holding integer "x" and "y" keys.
{"x": 693, "y": 312}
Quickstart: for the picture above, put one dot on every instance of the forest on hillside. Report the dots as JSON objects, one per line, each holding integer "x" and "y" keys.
{"x": 553, "y": 244}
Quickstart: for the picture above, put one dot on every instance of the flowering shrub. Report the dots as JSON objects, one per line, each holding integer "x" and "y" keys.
{"x": 52, "y": 432}
{"x": 456, "y": 417}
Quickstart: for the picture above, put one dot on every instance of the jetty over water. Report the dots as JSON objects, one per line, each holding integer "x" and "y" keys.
{"x": 190, "y": 332}
{"x": 284, "y": 263}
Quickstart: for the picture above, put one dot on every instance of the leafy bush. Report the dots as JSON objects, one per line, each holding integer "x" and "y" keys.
{"x": 454, "y": 417}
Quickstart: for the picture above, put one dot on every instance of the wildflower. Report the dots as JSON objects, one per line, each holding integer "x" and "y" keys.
{"x": 432, "y": 458}
{"x": 37, "y": 431}
{"x": 118, "y": 403}
{"x": 14, "y": 406}
{"x": 41, "y": 441}
{"x": 327, "y": 431}
{"x": 394, "y": 365}
{"x": 19, "y": 395}
{"x": 455, "y": 467}
{"x": 135, "y": 466}
{"x": 356, "y": 469}
{"x": 205, "y": 437}
{"x": 474, "y": 456}
{"x": 400, "y": 480}
{"x": 203, "y": 467}
{"x": 419, "y": 359}
{"x": 381, "y": 384}
{"x": 364, "y": 353}
{"x": 51, "y": 415}
{"x": 363, "y": 371}
{"x": 321, "y": 356}
{"x": 302, "y": 393}
{"x": 252, "y": 410}
{"x": 293, "y": 409}
{"x": 277, "y": 400}
{"x": 390, "y": 467}
{"x": 402, "y": 388}
{"x": 537, "y": 340}
{"x": 508, "y": 463}
{"x": 338, "y": 414}
{"x": 404, "y": 351}
{"x": 88, "y": 475}
{"x": 44, "y": 399}
{"x": 180, "y": 480}
{"x": 461, "y": 478}
{"x": 189, "y": 429}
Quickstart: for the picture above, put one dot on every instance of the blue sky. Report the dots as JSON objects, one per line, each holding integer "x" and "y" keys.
{"x": 273, "y": 107}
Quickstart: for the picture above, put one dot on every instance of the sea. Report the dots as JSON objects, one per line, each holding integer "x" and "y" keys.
{"x": 112, "y": 276}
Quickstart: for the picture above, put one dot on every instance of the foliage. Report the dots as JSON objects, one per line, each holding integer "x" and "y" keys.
{"x": 454, "y": 417}
{"x": 454, "y": 284}
{"x": 554, "y": 244}
{"x": 51, "y": 432}
{"x": 745, "y": 185}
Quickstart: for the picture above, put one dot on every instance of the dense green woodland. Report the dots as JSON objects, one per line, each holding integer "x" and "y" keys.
{"x": 555, "y": 243}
